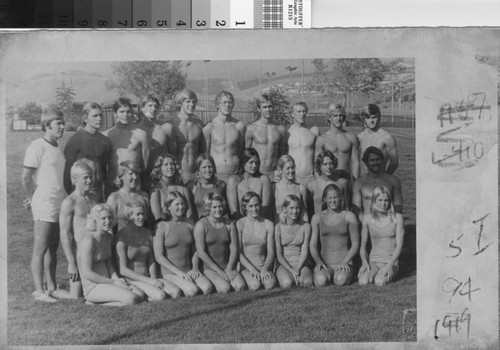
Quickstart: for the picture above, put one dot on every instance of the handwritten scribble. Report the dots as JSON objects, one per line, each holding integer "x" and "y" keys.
{"x": 462, "y": 150}
{"x": 453, "y": 246}
{"x": 481, "y": 226}
{"x": 455, "y": 287}
{"x": 453, "y": 320}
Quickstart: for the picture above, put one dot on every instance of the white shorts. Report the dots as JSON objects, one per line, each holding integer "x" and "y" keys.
{"x": 46, "y": 203}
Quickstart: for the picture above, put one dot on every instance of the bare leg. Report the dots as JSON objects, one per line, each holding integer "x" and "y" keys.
{"x": 253, "y": 283}
{"x": 204, "y": 284}
{"x": 171, "y": 289}
{"x": 220, "y": 284}
{"x": 188, "y": 288}
{"x": 306, "y": 277}
{"x": 342, "y": 278}
{"x": 322, "y": 278}
{"x": 153, "y": 293}
{"x": 271, "y": 283}
{"x": 41, "y": 242}
{"x": 238, "y": 283}
{"x": 111, "y": 295}
{"x": 285, "y": 279}
{"x": 52, "y": 257}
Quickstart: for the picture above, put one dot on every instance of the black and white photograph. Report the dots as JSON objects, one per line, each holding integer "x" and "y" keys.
{"x": 251, "y": 188}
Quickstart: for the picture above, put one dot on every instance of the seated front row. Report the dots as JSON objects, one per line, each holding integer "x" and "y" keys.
{"x": 217, "y": 253}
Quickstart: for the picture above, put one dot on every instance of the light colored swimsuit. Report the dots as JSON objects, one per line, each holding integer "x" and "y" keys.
{"x": 255, "y": 245}
{"x": 383, "y": 241}
{"x": 292, "y": 243}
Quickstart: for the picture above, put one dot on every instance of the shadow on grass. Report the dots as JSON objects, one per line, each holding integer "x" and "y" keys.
{"x": 166, "y": 323}
{"x": 408, "y": 260}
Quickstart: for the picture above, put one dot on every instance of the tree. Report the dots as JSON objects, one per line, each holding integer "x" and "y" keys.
{"x": 280, "y": 103}
{"x": 141, "y": 78}
{"x": 31, "y": 112}
{"x": 65, "y": 98}
{"x": 348, "y": 77}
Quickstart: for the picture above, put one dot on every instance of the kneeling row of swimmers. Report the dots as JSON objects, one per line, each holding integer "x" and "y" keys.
{"x": 204, "y": 257}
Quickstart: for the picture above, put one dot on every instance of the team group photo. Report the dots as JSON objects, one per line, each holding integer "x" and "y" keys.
{"x": 212, "y": 201}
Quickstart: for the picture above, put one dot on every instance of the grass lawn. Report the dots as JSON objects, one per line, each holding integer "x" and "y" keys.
{"x": 331, "y": 314}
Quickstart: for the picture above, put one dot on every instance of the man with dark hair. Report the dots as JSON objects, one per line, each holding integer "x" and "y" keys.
{"x": 362, "y": 191}
{"x": 375, "y": 136}
{"x": 90, "y": 146}
{"x": 129, "y": 143}
{"x": 266, "y": 137}
{"x": 159, "y": 134}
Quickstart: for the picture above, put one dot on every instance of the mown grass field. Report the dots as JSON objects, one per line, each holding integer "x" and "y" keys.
{"x": 331, "y": 314}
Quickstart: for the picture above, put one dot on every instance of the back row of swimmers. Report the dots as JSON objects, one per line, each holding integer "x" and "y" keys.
{"x": 44, "y": 164}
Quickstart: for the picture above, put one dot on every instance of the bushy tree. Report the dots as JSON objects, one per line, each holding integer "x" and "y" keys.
{"x": 280, "y": 103}
{"x": 65, "y": 98}
{"x": 31, "y": 112}
{"x": 141, "y": 78}
{"x": 348, "y": 77}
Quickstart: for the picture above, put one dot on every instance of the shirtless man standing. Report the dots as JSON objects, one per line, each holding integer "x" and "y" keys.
{"x": 266, "y": 138}
{"x": 301, "y": 143}
{"x": 375, "y": 136}
{"x": 159, "y": 134}
{"x": 343, "y": 144}
{"x": 129, "y": 143}
{"x": 187, "y": 134}
{"x": 225, "y": 137}
{"x": 89, "y": 145}
{"x": 73, "y": 218}
{"x": 363, "y": 187}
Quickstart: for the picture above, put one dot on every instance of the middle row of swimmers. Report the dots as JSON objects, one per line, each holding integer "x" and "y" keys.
{"x": 165, "y": 177}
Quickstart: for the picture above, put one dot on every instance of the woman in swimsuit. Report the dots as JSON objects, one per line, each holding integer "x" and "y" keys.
{"x": 256, "y": 236}
{"x": 165, "y": 177}
{"x": 216, "y": 241}
{"x": 101, "y": 284}
{"x": 287, "y": 185}
{"x": 135, "y": 260}
{"x": 249, "y": 179}
{"x": 175, "y": 250}
{"x": 333, "y": 231}
{"x": 292, "y": 236}
{"x": 128, "y": 182}
{"x": 205, "y": 183}
{"x": 386, "y": 231}
{"x": 325, "y": 166}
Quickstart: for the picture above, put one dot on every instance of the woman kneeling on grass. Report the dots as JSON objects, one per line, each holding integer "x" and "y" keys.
{"x": 333, "y": 230}
{"x": 256, "y": 244}
{"x": 216, "y": 241}
{"x": 135, "y": 260}
{"x": 101, "y": 284}
{"x": 386, "y": 230}
{"x": 175, "y": 250}
{"x": 292, "y": 236}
